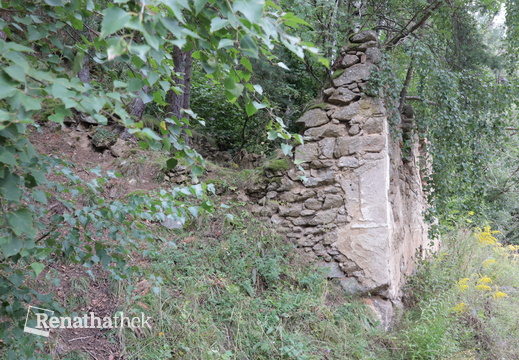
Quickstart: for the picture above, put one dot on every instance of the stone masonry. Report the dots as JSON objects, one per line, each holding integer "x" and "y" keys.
{"x": 353, "y": 204}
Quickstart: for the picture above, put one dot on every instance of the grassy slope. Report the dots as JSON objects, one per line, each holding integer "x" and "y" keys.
{"x": 235, "y": 290}
{"x": 232, "y": 289}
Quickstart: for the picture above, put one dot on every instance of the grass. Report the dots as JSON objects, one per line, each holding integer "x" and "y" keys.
{"x": 240, "y": 292}
{"x": 465, "y": 302}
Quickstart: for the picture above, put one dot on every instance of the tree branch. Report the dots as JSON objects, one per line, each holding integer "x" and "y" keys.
{"x": 417, "y": 98}
{"x": 406, "y": 32}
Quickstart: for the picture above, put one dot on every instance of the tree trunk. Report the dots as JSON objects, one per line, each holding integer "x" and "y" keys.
{"x": 137, "y": 106}
{"x": 183, "y": 66}
{"x": 84, "y": 73}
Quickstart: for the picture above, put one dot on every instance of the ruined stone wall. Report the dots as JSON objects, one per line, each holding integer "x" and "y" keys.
{"x": 354, "y": 204}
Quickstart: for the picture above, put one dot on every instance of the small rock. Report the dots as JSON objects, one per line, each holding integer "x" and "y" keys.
{"x": 348, "y": 161}
{"x": 328, "y": 91}
{"x": 313, "y": 118}
{"x": 364, "y": 36}
{"x": 333, "y": 270}
{"x": 119, "y": 149}
{"x": 343, "y": 96}
{"x": 373, "y": 55}
{"x": 354, "y": 129}
{"x": 323, "y": 217}
{"x": 374, "y": 125}
{"x": 367, "y": 45}
{"x": 272, "y": 194}
{"x": 307, "y": 212}
{"x": 332, "y": 201}
{"x": 313, "y": 204}
{"x": 349, "y": 60}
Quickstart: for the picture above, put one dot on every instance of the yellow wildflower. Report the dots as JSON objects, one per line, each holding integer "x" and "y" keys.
{"x": 483, "y": 287}
{"x": 487, "y": 263}
{"x": 484, "y": 280}
{"x": 471, "y": 213}
{"x": 461, "y": 307}
{"x": 462, "y": 284}
{"x": 512, "y": 248}
{"x": 486, "y": 236}
{"x": 499, "y": 295}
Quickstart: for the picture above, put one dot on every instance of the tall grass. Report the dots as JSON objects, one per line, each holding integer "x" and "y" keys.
{"x": 241, "y": 292}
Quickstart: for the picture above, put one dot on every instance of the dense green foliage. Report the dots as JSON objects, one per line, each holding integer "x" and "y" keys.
{"x": 43, "y": 47}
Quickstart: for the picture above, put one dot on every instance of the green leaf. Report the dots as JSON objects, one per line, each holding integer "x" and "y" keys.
{"x": 29, "y": 103}
{"x": 199, "y": 5}
{"x": 232, "y": 87}
{"x": 37, "y": 268}
{"x": 54, "y": 2}
{"x": 250, "y": 108}
{"x": 9, "y": 187}
{"x": 10, "y": 245}
{"x": 7, "y": 86}
{"x": 225, "y": 43}
{"x": 150, "y": 133}
{"x": 116, "y": 47}
{"x": 258, "y": 89}
{"x": 140, "y": 50}
{"x": 16, "y": 72}
{"x": 114, "y": 19}
{"x": 197, "y": 170}
{"x": 246, "y": 62}
{"x": 39, "y": 196}
{"x": 248, "y": 46}
{"x": 135, "y": 84}
{"x": 251, "y": 9}
{"x": 7, "y": 157}
{"x": 171, "y": 163}
{"x": 16, "y": 278}
{"x": 21, "y": 222}
{"x": 218, "y": 23}
{"x": 78, "y": 62}
{"x": 290, "y": 19}
{"x": 286, "y": 148}
{"x": 325, "y": 62}
{"x": 59, "y": 91}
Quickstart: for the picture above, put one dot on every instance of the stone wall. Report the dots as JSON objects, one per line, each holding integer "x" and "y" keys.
{"x": 353, "y": 204}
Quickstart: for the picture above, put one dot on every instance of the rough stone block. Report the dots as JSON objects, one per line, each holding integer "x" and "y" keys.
{"x": 332, "y": 270}
{"x": 348, "y": 161}
{"x": 349, "y": 60}
{"x": 323, "y": 217}
{"x": 364, "y": 36}
{"x": 313, "y": 118}
{"x": 347, "y": 113}
{"x": 343, "y": 96}
{"x": 373, "y": 55}
{"x": 353, "y": 145}
{"x": 327, "y": 147}
{"x": 307, "y": 152}
{"x": 313, "y": 204}
{"x": 374, "y": 125}
{"x": 358, "y": 72}
{"x": 354, "y": 130}
{"x": 332, "y": 201}
{"x": 367, "y": 45}
{"x": 326, "y": 131}
{"x": 292, "y": 211}
{"x": 321, "y": 164}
